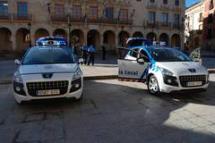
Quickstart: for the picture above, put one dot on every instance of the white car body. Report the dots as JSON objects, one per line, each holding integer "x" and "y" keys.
{"x": 45, "y": 81}
{"x": 184, "y": 75}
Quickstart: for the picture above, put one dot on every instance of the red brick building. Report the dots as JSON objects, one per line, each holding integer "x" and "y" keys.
{"x": 209, "y": 25}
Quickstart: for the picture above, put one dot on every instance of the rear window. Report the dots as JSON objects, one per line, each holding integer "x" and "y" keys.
{"x": 138, "y": 42}
{"x": 48, "y": 56}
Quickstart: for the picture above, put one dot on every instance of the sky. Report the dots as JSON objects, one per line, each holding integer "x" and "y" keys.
{"x": 190, "y": 2}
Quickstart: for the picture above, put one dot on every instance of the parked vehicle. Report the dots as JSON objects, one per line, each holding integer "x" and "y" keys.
{"x": 163, "y": 69}
{"x": 47, "y": 72}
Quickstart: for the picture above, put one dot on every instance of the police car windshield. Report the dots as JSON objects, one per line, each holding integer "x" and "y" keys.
{"x": 48, "y": 56}
{"x": 168, "y": 55}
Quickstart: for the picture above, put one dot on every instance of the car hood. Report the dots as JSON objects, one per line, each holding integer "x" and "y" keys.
{"x": 47, "y": 68}
{"x": 183, "y": 68}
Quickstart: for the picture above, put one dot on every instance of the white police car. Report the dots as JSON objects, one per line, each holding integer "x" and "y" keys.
{"x": 163, "y": 69}
{"x": 47, "y": 72}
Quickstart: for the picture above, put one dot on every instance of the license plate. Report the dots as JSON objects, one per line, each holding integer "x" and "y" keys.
{"x": 48, "y": 92}
{"x": 196, "y": 83}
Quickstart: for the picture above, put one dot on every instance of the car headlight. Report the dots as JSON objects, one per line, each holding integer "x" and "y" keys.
{"x": 18, "y": 85}
{"x": 76, "y": 82}
{"x": 77, "y": 74}
{"x": 17, "y": 78}
{"x": 166, "y": 72}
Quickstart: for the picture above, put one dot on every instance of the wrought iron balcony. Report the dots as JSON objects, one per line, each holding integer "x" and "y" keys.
{"x": 151, "y": 24}
{"x": 164, "y": 25}
{"x": 5, "y": 16}
{"x": 22, "y": 17}
{"x": 165, "y": 7}
{"x": 151, "y": 6}
{"x": 125, "y": 21}
{"x": 59, "y": 18}
{"x": 109, "y": 20}
{"x": 177, "y": 26}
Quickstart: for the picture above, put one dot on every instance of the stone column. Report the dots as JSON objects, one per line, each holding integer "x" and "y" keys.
{"x": 13, "y": 40}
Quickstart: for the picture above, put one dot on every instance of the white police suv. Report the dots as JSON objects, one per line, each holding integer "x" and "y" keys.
{"x": 47, "y": 72}
{"x": 163, "y": 69}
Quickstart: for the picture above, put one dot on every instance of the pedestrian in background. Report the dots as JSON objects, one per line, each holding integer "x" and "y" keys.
{"x": 91, "y": 54}
{"x": 103, "y": 52}
{"x": 84, "y": 50}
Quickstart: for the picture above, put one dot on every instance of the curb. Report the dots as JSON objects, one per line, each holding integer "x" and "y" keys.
{"x": 101, "y": 77}
{"x": 211, "y": 71}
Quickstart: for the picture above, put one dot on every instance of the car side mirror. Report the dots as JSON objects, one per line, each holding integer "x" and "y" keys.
{"x": 140, "y": 61}
{"x": 80, "y": 60}
{"x": 17, "y": 62}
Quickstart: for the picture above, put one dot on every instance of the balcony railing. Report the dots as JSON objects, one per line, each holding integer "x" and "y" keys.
{"x": 5, "y": 16}
{"x": 151, "y": 24}
{"x": 176, "y": 8}
{"x": 22, "y": 17}
{"x": 83, "y": 19}
{"x": 125, "y": 21}
{"x": 165, "y": 7}
{"x": 109, "y": 20}
{"x": 164, "y": 24}
{"x": 151, "y": 6}
{"x": 59, "y": 18}
{"x": 177, "y": 26}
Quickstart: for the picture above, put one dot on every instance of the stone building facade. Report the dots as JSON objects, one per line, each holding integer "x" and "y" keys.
{"x": 194, "y": 25}
{"x": 209, "y": 25}
{"x": 100, "y": 22}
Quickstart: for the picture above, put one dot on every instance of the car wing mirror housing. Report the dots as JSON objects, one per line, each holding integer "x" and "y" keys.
{"x": 17, "y": 62}
{"x": 140, "y": 61}
{"x": 80, "y": 60}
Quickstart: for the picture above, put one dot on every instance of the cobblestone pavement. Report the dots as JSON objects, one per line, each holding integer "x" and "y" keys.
{"x": 111, "y": 112}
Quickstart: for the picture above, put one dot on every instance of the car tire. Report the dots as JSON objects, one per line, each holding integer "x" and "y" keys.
{"x": 153, "y": 85}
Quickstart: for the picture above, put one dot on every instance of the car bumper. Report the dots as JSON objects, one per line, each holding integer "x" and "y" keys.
{"x": 76, "y": 95}
{"x": 169, "y": 89}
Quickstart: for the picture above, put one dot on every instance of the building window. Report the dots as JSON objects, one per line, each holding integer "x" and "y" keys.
{"x": 165, "y": 1}
{"x": 108, "y": 12}
{"x": 22, "y": 8}
{"x": 152, "y": 17}
{"x": 210, "y": 19}
{"x": 177, "y": 19}
{"x": 177, "y": 2}
{"x": 93, "y": 13}
{"x": 76, "y": 11}
{"x": 59, "y": 9}
{"x": 211, "y": 6}
{"x": 123, "y": 15}
{"x": 164, "y": 18}
{"x": 3, "y": 8}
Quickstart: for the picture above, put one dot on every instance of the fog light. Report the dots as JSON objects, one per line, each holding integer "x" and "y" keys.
{"x": 18, "y": 89}
{"x": 77, "y": 85}
{"x": 169, "y": 81}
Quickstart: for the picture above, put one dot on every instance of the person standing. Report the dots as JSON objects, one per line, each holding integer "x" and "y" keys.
{"x": 84, "y": 50}
{"x": 103, "y": 52}
{"x": 91, "y": 53}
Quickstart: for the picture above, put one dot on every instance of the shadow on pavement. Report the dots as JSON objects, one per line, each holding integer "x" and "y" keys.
{"x": 118, "y": 113}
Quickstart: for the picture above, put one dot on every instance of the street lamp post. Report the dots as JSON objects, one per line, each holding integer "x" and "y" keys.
{"x": 29, "y": 32}
{"x": 69, "y": 26}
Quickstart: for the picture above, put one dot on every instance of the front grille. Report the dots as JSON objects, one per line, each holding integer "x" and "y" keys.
{"x": 33, "y": 87}
{"x": 192, "y": 78}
